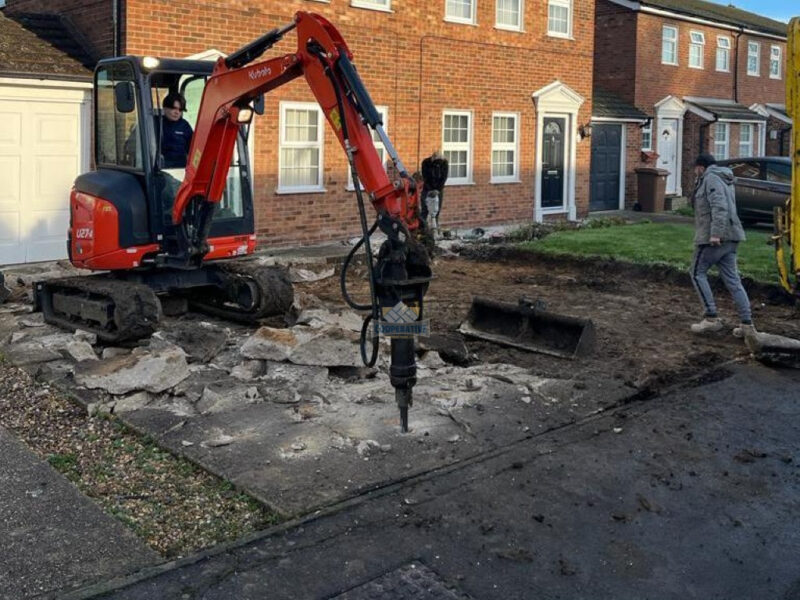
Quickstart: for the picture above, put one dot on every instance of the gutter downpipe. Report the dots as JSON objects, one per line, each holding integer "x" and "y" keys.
{"x": 115, "y": 5}
{"x": 737, "y": 35}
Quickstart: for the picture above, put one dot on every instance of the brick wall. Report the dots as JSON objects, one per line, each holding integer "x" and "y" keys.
{"x": 774, "y": 146}
{"x": 633, "y": 159}
{"x": 91, "y": 18}
{"x": 615, "y": 49}
{"x": 415, "y": 64}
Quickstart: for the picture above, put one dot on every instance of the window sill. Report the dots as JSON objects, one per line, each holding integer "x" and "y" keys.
{"x": 457, "y": 183}
{"x": 558, "y": 210}
{"x": 775, "y": 78}
{"x": 666, "y": 64}
{"x": 754, "y": 75}
{"x": 501, "y": 181}
{"x": 509, "y": 28}
{"x": 697, "y": 68}
{"x": 385, "y": 9}
{"x": 293, "y": 191}
{"x": 723, "y": 70}
{"x": 560, "y": 36}
{"x": 459, "y": 22}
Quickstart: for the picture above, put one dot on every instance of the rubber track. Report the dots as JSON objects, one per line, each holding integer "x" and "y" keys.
{"x": 137, "y": 309}
{"x": 275, "y": 290}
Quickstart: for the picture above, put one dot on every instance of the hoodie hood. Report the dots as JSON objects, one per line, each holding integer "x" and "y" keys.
{"x": 723, "y": 173}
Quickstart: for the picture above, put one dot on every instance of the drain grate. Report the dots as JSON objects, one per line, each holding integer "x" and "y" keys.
{"x": 413, "y": 581}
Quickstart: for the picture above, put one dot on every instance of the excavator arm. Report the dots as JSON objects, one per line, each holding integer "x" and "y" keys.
{"x": 400, "y": 274}
{"x": 325, "y": 61}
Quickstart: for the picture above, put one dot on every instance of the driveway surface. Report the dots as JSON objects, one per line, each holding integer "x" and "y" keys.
{"x": 691, "y": 494}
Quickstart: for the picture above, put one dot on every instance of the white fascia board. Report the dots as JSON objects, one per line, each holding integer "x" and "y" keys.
{"x": 46, "y": 83}
{"x": 703, "y": 114}
{"x": 767, "y": 111}
{"x": 613, "y": 120}
{"x": 636, "y": 6}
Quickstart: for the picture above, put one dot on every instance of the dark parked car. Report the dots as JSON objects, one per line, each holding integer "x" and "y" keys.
{"x": 762, "y": 183}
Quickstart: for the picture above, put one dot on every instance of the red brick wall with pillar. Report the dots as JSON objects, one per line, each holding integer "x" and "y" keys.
{"x": 633, "y": 159}
{"x": 92, "y": 18}
{"x": 417, "y": 65}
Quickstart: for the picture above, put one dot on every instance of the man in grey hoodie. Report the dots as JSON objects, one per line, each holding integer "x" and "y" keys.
{"x": 718, "y": 232}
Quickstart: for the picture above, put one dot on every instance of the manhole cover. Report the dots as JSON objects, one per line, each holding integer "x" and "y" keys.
{"x": 412, "y": 581}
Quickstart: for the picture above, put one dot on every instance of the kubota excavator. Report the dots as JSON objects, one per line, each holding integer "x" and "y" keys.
{"x": 157, "y": 231}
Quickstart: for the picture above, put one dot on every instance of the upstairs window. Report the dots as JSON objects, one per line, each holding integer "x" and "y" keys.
{"x": 457, "y": 145}
{"x": 746, "y": 140}
{"x": 509, "y": 14}
{"x": 669, "y": 45}
{"x": 696, "y": 44}
{"x": 559, "y": 18}
{"x": 753, "y": 58}
{"x": 775, "y": 56}
{"x": 460, "y": 11}
{"x": 721, "y": 141}
{"x": 373, "y": 4}
{"x": 723, "y": 54}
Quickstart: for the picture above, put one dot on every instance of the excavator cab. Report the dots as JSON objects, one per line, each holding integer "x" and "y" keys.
{"x": 131, "y": 170}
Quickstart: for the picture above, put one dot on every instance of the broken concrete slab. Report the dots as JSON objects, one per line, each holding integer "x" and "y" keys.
{"x": 154, "y": 372}
{"x": 30, "y": 353}
{"x": 248, "y": 370}
{"x": 298, "y": 275}
{"x": 130, "y": 403}
{"x": 450, "y": 346}
{"x": 321, "y": 317}
{"x": 201, "y": 341}
{"x": 325, "y": 346}
{"x": 80, "y": 350}
{"x": 774, "y": 349}
{"x": 217, "y": 398}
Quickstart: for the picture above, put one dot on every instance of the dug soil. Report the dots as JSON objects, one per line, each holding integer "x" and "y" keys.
{"x": 642, "y": 314}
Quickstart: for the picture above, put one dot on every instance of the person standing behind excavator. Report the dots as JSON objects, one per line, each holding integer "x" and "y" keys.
{"x": 718, "y": 232}
{"x": 434, "y": 176}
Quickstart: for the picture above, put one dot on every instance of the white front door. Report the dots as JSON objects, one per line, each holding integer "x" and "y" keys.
{"x": 668, "y": 152}
{"x": 40, "y": 156}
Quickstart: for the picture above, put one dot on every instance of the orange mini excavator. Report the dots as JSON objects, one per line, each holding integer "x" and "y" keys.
{"x": 155, "y": 230}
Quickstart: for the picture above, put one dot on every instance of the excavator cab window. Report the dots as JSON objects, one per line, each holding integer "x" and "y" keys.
{"x": 169, "y": 179}
{"x": 118, "y": 140}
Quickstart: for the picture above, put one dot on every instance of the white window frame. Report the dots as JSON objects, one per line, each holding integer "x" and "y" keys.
{"x": 506, "y": 26}
{"x": 649, "y": 129}
{"x": 384, "y": 111}
{"x": 757, "y": 45}
{"x": 453, "y": 19}
{"x": 726, "y": 127}
{"x": 750, "y": 152}
{"x": 514, "y": 177}
{"x": 727, "y": 53}
{"x": 383, "y": 6}
{"x": 700, "y": 47}
{"x": 779, "y": 60}
{"x": 447, "y": 146}
{"x": 673, "y": 41}
{"x": 320, "y": 143}
{"x": 563, "y": 4}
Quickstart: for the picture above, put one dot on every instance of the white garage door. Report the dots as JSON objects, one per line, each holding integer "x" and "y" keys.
{"x": 42, "y": 150}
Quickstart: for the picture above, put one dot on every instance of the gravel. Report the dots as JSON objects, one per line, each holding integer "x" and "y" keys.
{"x": 174, "y": 506}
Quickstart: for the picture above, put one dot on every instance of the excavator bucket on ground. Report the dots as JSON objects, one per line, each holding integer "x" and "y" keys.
{"x": 528, "y": 326}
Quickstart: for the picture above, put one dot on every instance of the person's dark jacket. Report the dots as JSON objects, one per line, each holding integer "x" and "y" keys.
{"x": 175, "y": 140}
{"x": 434, "y": 172}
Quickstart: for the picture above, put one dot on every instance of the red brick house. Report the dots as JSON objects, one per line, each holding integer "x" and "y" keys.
{"x": 711, "y": 77}
{"x": 502, "y": 87}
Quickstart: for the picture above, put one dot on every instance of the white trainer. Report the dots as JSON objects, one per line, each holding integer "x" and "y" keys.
{"x": 707, "y": 325}
{"x": 742, "y": 330}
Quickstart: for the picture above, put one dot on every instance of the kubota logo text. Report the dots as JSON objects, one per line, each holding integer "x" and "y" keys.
{"x": 259, "y": 73}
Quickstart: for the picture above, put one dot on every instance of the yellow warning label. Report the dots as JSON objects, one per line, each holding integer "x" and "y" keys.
{"x": 336, "y": 120}
{"x": 196, "y": 158}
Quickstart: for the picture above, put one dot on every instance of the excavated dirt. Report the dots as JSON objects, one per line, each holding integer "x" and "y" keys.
{"x": 642, "y": 314}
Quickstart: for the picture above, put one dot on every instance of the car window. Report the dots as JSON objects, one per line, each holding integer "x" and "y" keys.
{"x": 779, "y": 172}
{"x": 746, "y": 169}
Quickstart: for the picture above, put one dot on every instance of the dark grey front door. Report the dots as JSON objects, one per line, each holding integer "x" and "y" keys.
{"x": 606, "y": 148}
{"x": 553, "y": 162}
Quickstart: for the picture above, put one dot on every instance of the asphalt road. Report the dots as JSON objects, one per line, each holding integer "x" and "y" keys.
{"x": 695, "y": 494}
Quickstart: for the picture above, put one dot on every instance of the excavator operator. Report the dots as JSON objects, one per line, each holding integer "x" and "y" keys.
{"x": 175, "y": 131}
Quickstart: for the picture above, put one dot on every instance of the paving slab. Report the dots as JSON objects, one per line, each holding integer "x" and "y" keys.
{"x": 694, "y": 495}
{"x": 54, "y": 538}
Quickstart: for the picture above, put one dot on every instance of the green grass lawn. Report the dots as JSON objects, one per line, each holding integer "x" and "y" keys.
{"x": 669, "y": 243}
